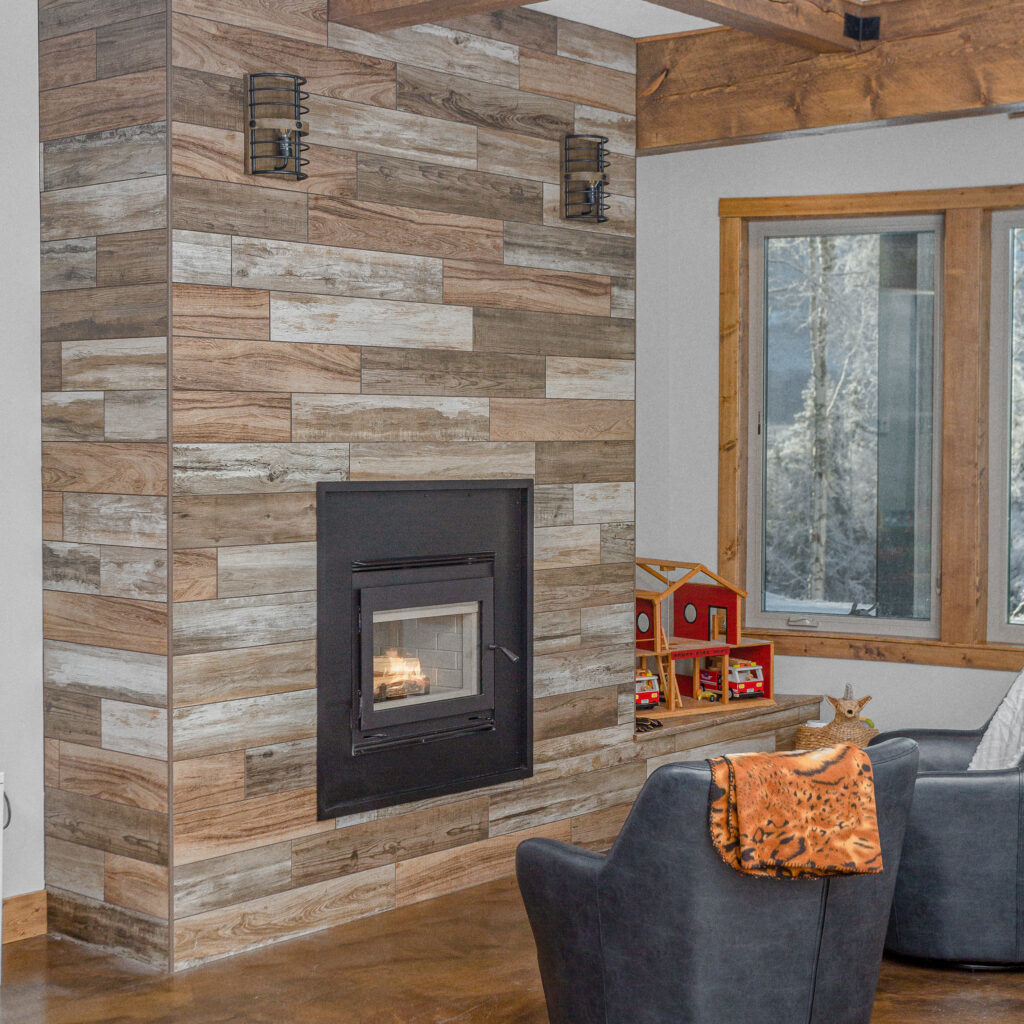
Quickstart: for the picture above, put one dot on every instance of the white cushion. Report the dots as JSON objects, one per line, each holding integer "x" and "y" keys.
{"x": 1002, "y": 746}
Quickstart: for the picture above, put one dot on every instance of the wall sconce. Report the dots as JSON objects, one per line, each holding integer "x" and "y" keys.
{"x": 274, "y": 111}
{"x": 584, "y": 180}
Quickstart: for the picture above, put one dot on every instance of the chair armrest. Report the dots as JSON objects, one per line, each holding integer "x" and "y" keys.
{"x": 559, "y": 884}
{"x": 941, "y": 750}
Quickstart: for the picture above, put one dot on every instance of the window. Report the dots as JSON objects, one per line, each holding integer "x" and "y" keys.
{"x": 843, "y": 437}
{"x": 1006, "y": 407}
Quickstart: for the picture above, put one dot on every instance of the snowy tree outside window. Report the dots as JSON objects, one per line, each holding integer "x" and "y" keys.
{"x": 842, "y": 397}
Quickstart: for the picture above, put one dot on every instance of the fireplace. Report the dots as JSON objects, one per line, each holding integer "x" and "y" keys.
{"x": 424, "y": 660}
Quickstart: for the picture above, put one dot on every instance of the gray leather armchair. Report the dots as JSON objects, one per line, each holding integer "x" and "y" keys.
{"x": 661, "y": 931}
{"x": 960, "y": 890}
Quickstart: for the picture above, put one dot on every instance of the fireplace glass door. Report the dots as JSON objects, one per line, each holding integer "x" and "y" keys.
{"x": 425, "y": 651}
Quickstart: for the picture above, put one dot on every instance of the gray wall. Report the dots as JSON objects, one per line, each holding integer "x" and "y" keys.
{"x": 677, "y": 353}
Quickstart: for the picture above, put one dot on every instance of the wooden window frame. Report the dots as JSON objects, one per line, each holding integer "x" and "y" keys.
{"x": 963, "y": 566}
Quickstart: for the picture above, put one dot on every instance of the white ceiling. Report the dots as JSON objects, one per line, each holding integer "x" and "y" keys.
{"x": 634, "y": 18}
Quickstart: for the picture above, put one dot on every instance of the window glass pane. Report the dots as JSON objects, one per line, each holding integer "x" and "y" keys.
{"x": 849, "y": 323}
{"x": 1015, "y": 596}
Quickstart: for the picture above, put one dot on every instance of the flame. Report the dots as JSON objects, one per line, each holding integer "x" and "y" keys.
{"x": 390, "y": 668}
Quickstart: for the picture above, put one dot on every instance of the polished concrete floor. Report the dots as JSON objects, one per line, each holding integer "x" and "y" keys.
{"x": 462, "y": 959}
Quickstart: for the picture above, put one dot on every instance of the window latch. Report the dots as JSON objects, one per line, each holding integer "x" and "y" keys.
{"x": 802, "y": 622}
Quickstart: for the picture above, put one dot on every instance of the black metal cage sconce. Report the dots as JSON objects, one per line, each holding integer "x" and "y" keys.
{"x": 275, "y": 107}
{"x": 584, "y": 178}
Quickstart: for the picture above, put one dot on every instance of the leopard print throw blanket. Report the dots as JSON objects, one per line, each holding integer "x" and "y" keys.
{"x": 805, "y": 814}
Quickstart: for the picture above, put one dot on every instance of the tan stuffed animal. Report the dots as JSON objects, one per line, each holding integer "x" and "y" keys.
{"x": 846, "y": 727}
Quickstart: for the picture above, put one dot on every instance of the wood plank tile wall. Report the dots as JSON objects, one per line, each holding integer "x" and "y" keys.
{"x": 104, "y": 203}
{"x": 416, "y": 309}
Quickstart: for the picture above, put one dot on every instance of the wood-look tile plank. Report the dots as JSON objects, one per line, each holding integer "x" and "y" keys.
{"x": 565, "y": 714}
{"x": 624, "y": 297}
{"x": 204, "y": 521}
{"x": 105, "y": 622}
{"x": 53, "y": 515}
{"x": 597, "y": 830}
{"x": 544, "y": 291}
{"x": 74, "y": 567}
{"x": 434, "y": 94}
{"x": 104, "y": 672}
{"x": 368, "y": 129}
{"x": 62, "y": 17}
{"x": 129, "y": 520}
{"x": 119, "y": 102}
{"x": 205, "y": 151}
{"x": 438, "y": 47}
{"x": 229, "y": 416}
{"x": 134, "y": 728}
{"x": 596, "y": 46}
{"x": 362, "y": 225}
{"x": 618, "y": 542}
{"x": 111, "y": 775}
{"x": 195, "y": 575}
{"x": 232, "y": 879}
{"x": 244, "y": 672}
{"x": 294, "y": 19}
{"x": 131, "y": 46}
{"x": 222, "y": 364}
{"x": 86, "y": 314}
{"x": 135, "y": 257}
{"x": 516, "y": 25}
{"x": 201, "y": 730}
{"x": 578, "y": 81}
{"x": 423, "y": 878}
{"x": 564, "y": 462}
{"x": 428, "y": 186}
{"x": 232, "y": 828}
{"x": 256, "y": 468}
{"x": 618, "y": 128}
{"x": 519, "y": 156}
{"x": 104, "y": 825}
{"x": 67, "y": 60}
{"x": 224, "y": 208}
{"x": 620, "y": 211}
{"x": 209, "y": 311}
{"x": 67, "y": 263}
{"x": 411, "y": 372}
{"x": 462, "y": 460}
{"x": 584, "y": 669}
{"x": 603, "y": 502}
{"x": 72, "y": 416}
{"x": 280, "y": 767}
{"x": 201, "y": 257}
{"x": 71, "y": 717}
{"x": 280, "y": 916}
{"x": 563, "y": 248}
{"x": 201, "y": 626}
{"x": 115, "y": 929}
{"x": 570, "y": 377}
{"x": 135, "y": 416}
{"x": 74, "y": 867}
{"x": 531, "y": 419}
{"x": 552, "y": 505}
{"x": 583, "y": 586}
{"x": 114, "y": 364}
{"x": 137, "y": 151}
{"x": 602, "y": 625}
{"x": 217, "y": 48}
{"x": 330, "y": 270}
{"x": 555, "y": 334}
{"x": 558, "y": 546}
{"x": 134, "y": 573}
{"x": 207, "y": 781}
{"x": 213, "y": 101}
{"x": 335, "y": 319}
{"x": 105, "y": 468}
{"x": 266, "y": 569}
{"x": 346, "y": 851}
{"x": 370, "y": 418}
{"x": 49, "y": 366}
{"x": 136, "y": 885}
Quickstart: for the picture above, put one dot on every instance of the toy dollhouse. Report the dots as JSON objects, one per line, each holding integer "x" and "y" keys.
{"x": 706, "y": 640}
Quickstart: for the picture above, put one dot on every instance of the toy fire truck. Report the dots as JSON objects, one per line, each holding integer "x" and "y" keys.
{"x": 746, "y": 679}
{"x": 646, "y": 689}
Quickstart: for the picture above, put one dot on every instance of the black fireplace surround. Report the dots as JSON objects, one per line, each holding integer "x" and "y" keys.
{"x": 424, "y": 640}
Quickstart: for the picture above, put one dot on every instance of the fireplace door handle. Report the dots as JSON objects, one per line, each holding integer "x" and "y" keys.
{"x": 513, "y": 657}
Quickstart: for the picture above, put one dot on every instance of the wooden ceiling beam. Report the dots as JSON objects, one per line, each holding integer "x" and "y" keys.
{"x": 380, "y": 15}
{"x": 934, "y": 61}
{"x": 817, "y": 25}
